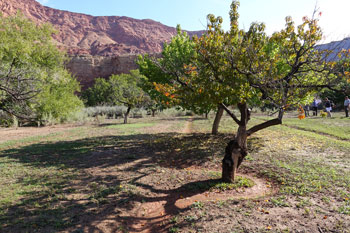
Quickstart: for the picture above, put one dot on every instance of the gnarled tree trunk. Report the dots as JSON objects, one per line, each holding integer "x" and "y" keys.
{"x": 217, "y": 119}
{"x": 236, "y": 150}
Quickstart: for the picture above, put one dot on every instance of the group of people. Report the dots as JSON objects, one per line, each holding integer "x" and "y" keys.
{"x": 329, "y": 105}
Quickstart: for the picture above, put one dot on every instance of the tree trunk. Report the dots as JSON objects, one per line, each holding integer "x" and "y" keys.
{"x": 235, "y": 152}
{"x": 236, "y": 149}
{"x": 153, "y": 112}
{"x": 126, "y": 115}
{"x": 216, "y": 123}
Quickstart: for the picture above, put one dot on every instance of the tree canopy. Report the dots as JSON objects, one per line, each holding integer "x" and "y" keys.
{"x": 118, "y": 89}
{"x": 241, "y": 68}
{"x": 31, "y": 67}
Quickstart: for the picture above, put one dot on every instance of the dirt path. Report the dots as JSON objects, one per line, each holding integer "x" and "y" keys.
{"x": 188, "y": 125}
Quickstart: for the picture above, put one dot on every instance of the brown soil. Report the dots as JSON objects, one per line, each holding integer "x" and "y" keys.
{"x": 154, "y": 216}
{"x": 7, "y": 134}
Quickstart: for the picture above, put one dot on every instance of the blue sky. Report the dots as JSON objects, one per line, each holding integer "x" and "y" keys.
{"x": 191, "y": 14}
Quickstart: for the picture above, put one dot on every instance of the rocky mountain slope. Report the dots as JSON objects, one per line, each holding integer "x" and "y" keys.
{"x": 101, "y": 35}
{"x": 335, "y": 47}
{"x": 99, "y": 46}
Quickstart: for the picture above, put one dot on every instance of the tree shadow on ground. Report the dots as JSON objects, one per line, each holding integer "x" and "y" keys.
{"x": 97, "y": 179}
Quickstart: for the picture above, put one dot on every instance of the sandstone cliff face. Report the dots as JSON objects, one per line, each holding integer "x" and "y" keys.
{"x": 99, "y": 46}
{"x": 87, "y": 67}
{"x": 101, "y": 35}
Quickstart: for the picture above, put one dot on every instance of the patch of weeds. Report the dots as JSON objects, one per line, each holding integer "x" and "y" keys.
{"x": 102, "y": 191}
{"x": 130, "y": 126}
{"x": 174, "y": 220}
{"x": 326, "y": 200}
{"x": 190, "y": 218}
{"x": 214, "y": 174}
{"x": 173, "y": 229}
{"x": 240, "y": 182}
{"x": 197, "y": 205}
{"x": 280, "y": 201}
{"x": 303, "y": 203}
{"x": 218, "y": 185}
{"x": 249, "y": 158}
{"x": 220, "y": 203}
{"x": 345, "y": 208}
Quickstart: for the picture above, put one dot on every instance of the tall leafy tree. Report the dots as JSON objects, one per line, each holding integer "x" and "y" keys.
{"x": 241, "y": 68}
{"x": 57, "y": 99}
{"x": 30, "y": 63}
{"x": 99, "y": 93}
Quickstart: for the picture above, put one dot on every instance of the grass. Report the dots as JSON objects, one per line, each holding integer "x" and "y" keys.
{"x": 337, "y": 127}
{"x": 84, "y": 174}
{"x": 131, "y": 126}
{"x": 217, "y": 185}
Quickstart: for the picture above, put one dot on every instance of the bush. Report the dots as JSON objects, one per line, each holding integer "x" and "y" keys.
{"x": 108, "y": 111}
{"x": 175, "y": 112}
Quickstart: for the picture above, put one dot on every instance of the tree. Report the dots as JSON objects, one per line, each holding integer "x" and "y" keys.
{"x": 241, "y": 68}
{"x": 342, "y": 89}
{"x": 57, "y": 99}
{"x": 126, "y": 91}
{"x": 30, "y": 63}
{"x": 168, "y": 78}
{"x": 99, "y": 93}
{"x": 118, "y": 89}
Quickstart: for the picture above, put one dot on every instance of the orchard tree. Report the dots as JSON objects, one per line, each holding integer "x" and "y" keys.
{"x": 342, "y": 88}
{"x": 126, "y": 91}
{"x": 98, "y": 94}
{"x": 118, "y": 89}
{"x": 168, "y": 78}
{"x": 30, "y": 64}
{"x": 242, "y": 68}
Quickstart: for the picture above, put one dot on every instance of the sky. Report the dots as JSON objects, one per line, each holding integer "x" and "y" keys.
{"x": 191, "y": 14}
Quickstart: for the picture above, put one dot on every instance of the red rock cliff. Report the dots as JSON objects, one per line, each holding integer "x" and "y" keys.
{"x": 96, "y": 44}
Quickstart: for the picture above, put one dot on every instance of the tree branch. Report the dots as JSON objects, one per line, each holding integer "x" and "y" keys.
{"x": 231, "y": 114}
{"x": 264, "y": 125}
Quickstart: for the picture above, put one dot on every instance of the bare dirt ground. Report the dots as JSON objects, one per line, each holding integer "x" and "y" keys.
{"x": 7, "y": 134}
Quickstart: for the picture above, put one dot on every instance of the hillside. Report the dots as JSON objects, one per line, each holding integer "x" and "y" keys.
{"x": 98, "y": 45}
{"x": 96, "y": 35}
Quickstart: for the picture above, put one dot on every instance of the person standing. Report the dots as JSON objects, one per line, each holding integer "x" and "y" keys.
{"x": 315, "y": 106}
{"x": 328, "y": 104}
{"x": 347, "y": 106}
